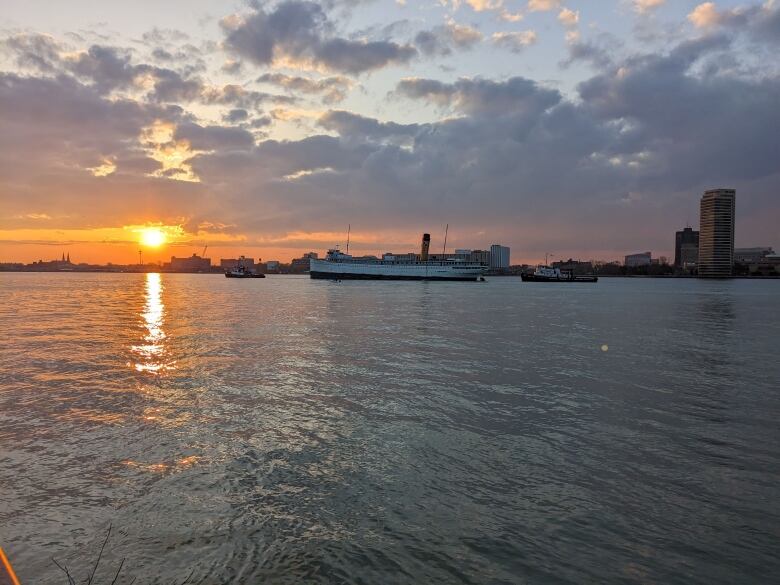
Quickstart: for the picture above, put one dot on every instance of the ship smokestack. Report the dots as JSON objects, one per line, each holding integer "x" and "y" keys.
{"x": 426, "y": 243}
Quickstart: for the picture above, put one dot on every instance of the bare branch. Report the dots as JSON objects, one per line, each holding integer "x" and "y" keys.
{"x": 117, "y": 572}
{"x": 92, "y": 576}
{"x": 64, "y": 569}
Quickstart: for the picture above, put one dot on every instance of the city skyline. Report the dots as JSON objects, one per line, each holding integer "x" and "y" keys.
{"x": 547, "y": 125}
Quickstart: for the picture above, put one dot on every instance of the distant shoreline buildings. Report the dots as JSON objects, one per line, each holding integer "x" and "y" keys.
{"x": 706, "y": 253}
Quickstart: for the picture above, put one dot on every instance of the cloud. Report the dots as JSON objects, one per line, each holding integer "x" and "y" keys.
{"x": 543, "y": 5}
{"x": 645, "y": 6}
{"x": 238, "y": 96}
{"x": 705, "y": 15}
{"x": 33, "y": 50}
{"x": 479, "y": 96}
{"x": 299, "y": 34}
{"x": 352, "y": 125}
{"x": 211, "y": 138}
{"x": 97, "y": 135}
{"x": 236, "y": 116}
{"x": 569, "y": 18}
{"x": 761, "y": 24}
{"x": 442, "y": 40}
{"x": 514, "y": 41}
{"x": 333, "y": 89}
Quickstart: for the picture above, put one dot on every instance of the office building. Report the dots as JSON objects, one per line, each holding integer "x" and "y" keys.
{"x": 641, "y": 259}
{"x": 499, "y": 257}
{"x": 716, "y": 233}
{"x": 689, "y": 239}
{"x": 689, "y": 256}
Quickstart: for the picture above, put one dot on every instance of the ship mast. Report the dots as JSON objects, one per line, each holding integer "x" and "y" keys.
{"x": 349, "y": 229}
{"x": 444, "y": 250}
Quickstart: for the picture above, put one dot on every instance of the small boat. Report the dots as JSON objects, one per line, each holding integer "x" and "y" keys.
{"x": 241, "y": 271}
{"x": 548, "y": 274}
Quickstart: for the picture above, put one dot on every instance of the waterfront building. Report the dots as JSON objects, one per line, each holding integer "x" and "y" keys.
{"x": 688, "y": 238}
{"x": 272, "y": 266}
{"x": 192, "y": 264}
{"x": 640, "y": 259}
{"x": 752, "y": 255}
{"x": 499, "y": 257}
{"x": 574, "y": 266}
{"x": 232, "y": 263}
{"x": 716, "y": 233}
{"x": 303, "y": 263}
{"x": 482, "y": 257}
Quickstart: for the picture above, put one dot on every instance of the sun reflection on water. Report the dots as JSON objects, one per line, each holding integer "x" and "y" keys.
{"x": 152, "y": 351}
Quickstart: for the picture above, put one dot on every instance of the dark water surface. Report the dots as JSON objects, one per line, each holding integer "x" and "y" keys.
{"x": 290, "y": 431}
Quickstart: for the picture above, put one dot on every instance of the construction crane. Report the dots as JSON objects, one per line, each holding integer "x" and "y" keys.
{"x": 203, "y": 254}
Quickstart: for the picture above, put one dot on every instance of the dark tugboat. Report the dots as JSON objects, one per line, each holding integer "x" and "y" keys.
{"x": 241, "y": 271}
{"x": 547, "y": 274}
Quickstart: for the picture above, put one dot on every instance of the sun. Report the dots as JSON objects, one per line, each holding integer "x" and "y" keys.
{"x": 152, "y": 237}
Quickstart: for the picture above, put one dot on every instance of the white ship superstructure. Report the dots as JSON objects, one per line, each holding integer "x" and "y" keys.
{"x": 337, "y": 265}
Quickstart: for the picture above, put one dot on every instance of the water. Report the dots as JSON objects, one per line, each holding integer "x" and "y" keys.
{"x": 295, "y": 431}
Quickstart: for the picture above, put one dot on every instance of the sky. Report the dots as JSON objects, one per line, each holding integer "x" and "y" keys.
{"x": 578, "y": 128}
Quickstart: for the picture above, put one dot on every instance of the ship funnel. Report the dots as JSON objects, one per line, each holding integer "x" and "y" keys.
{"x": 426, "y": 243}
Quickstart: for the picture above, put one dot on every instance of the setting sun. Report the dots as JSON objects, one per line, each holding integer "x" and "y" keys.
{"x": 152, "y": 237}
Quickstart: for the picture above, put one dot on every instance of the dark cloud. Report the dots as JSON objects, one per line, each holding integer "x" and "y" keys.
{"x": 352, "y": 125}
{"x": 481, "y": 96}
{"x": 240, "y": 97}
{"x": 35, "y": 51}
{"x": 54, "y": 130}
{"x": 218, "y": 138}
{"x": 108, "y": 67}
{"x": 333, "y": 89}
{"x": 300, "y": 33}
{"x": 235, "y": 116}
{"x": 442, "y": 40}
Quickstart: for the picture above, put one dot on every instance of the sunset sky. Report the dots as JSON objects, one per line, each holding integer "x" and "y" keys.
{"x": 583, "y": 128}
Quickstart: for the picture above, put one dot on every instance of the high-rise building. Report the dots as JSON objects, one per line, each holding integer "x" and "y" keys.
{"x": 689, "y": 239}
{"x": 499, "y": 257}
{"x": 716, "y": 233}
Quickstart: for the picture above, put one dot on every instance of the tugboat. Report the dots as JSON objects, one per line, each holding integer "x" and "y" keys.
{"x": 548, "y": 274}
{"x": 241, "y": 271}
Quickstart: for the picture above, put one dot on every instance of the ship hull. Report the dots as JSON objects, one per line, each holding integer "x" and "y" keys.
{"x": 356, "y": 276}
{"x": 537, "y": 278}
{"x": 324, "y": 269}
{"x": 247, "y": 275}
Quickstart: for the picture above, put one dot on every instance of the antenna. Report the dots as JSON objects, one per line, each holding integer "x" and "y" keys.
{"x": 349, "y": 229}
{"x": 444, "y": 251}
{"x": 140, "y": 260}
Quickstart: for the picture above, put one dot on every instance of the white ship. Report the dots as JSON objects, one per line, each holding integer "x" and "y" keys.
{"x": 337, "y": 266}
